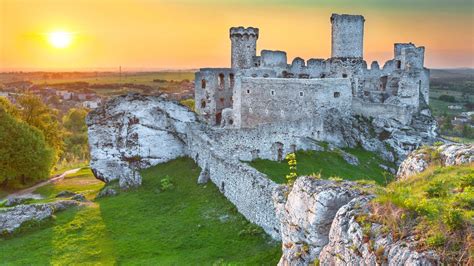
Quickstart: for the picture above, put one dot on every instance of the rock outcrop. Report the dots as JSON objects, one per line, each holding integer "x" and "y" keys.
{"x": 320, "y": 221}
{"x": 13, "y": 218}
{"x": 353, "y": 243}
{"x": 390, "y": 138}
{"x": 306, "y": 214}
{"x": 446, "y": 155}
{"x": 133, "y": 132}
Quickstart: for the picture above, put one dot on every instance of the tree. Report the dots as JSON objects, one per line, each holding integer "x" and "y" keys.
{"x": 75, "y": 140}
{"x": 25, "y": 157}
{"x": 34, "y": 112}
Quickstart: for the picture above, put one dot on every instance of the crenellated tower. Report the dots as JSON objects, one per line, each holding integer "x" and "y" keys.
{"x": 244, "y": 46}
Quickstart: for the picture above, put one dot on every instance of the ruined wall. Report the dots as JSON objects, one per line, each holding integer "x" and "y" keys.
{"x": 347, "y": 36}
{"x": 273, "y": 58}
{"x": 379, "y": 110}
{"x": 249, "y": 190}
{"x": 213, "y": 89}
{"x": 269, "y": 100}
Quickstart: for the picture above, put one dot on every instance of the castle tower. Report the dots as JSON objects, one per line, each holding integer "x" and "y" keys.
{"x": 244, "y": 46}
{"x": 347, "y": 36}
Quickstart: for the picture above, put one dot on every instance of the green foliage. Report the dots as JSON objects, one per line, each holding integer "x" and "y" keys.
{"x": 24, "y": 153}
{"x": 142, "y": 227}
{"x": 439, "y": 201}
{"x": 34, "y": 112}
{"x": 166, "y": 183}
{"x": 436, "y": 240}
{"x": 76, "y": 147}
{"x": 327, "y": 164}
{"x": 291, "y": 159}
{"x": 189, "y": 103}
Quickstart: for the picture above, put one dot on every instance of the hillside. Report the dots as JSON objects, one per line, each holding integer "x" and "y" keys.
{"x": 185, "y": 224}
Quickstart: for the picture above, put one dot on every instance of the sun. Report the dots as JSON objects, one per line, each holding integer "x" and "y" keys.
{"x": 60, "y": 39}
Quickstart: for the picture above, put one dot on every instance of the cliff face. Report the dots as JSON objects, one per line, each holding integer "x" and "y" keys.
{"x": 446, "y": 155}
{"x": 133, "y": 132}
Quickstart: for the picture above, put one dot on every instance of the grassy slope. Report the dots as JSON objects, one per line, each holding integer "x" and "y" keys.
{"x": 188, "y": 224}
{"x": 438, "y": 208}
{"x": 329, "y": 164}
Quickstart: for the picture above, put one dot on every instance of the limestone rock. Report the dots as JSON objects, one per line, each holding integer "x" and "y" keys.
{"x": 79, "y": 197}
{"x": 349, "y": 246}
{"x": 106, "y": 192}
{"x": 65, "y": 194}
{"x": 349, "y": 158}
{"x": 203, "y": 176}
{"x": 306, "y": 216}
{"x": 16, "y": 201}
{"x": 449, "y": 154}
{"x": 12, "y": 218}
{"x": 132, "y": 132}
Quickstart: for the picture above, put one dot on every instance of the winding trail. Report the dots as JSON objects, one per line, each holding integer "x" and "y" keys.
{"x": 28, "y": 191}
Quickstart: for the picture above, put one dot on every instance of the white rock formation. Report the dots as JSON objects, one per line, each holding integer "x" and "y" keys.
{"x": 449, "y": 154}
{"x": 12, "y": 218}
{"x": 319, "y": 223}
{"x": 306, "y": 215}
{"x": 133, "y": 132}
{"x": 348, "y": 245}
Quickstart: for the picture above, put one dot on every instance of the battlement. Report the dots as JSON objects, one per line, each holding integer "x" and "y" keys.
{"x": 346, "y": 17}
{"x": 259, "y": 89}
{"x": 242, "y": 31}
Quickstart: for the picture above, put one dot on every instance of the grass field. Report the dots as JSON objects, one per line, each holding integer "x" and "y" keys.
{"x": 188, "y": 224}
{"x": 328, "y": 164}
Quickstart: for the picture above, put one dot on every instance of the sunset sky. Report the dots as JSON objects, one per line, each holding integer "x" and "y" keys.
{"x": 154, "y": 34}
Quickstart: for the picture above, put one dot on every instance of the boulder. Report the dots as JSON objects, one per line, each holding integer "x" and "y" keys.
{"x": 65, "y": 194}
{"x": 132, "y": 132}
{"x": 79, "y": 197}
{"x": 13, "y": 218}
{"x": 106, "y": 192}
{"x": 446, "y": 155}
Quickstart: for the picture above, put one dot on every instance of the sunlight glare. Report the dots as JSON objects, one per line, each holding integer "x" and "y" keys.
{"x": 60, "y": 39}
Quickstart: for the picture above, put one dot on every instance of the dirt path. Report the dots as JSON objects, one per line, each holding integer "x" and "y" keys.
{"x": 28, "y": 191}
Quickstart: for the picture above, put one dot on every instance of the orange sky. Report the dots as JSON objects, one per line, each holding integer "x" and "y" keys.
{"x": 153, "y": 34}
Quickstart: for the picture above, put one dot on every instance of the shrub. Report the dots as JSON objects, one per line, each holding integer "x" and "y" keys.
{"x": 436, "y": 240}
{"x": 291, "y": 159}
{"x": 166, "y": 184}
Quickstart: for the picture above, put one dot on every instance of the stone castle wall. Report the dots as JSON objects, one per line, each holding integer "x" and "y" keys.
{"x": 381, "y": 110}
{"x": 269, "y": 100}
{"x": 249, "y": 190}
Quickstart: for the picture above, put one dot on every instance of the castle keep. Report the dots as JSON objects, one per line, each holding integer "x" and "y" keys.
{"x": 264, "y": 89}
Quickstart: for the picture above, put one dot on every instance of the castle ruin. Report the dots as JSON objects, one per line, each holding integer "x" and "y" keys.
{"x": 263, "y": 107}
{"x": 266, "y": 89}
